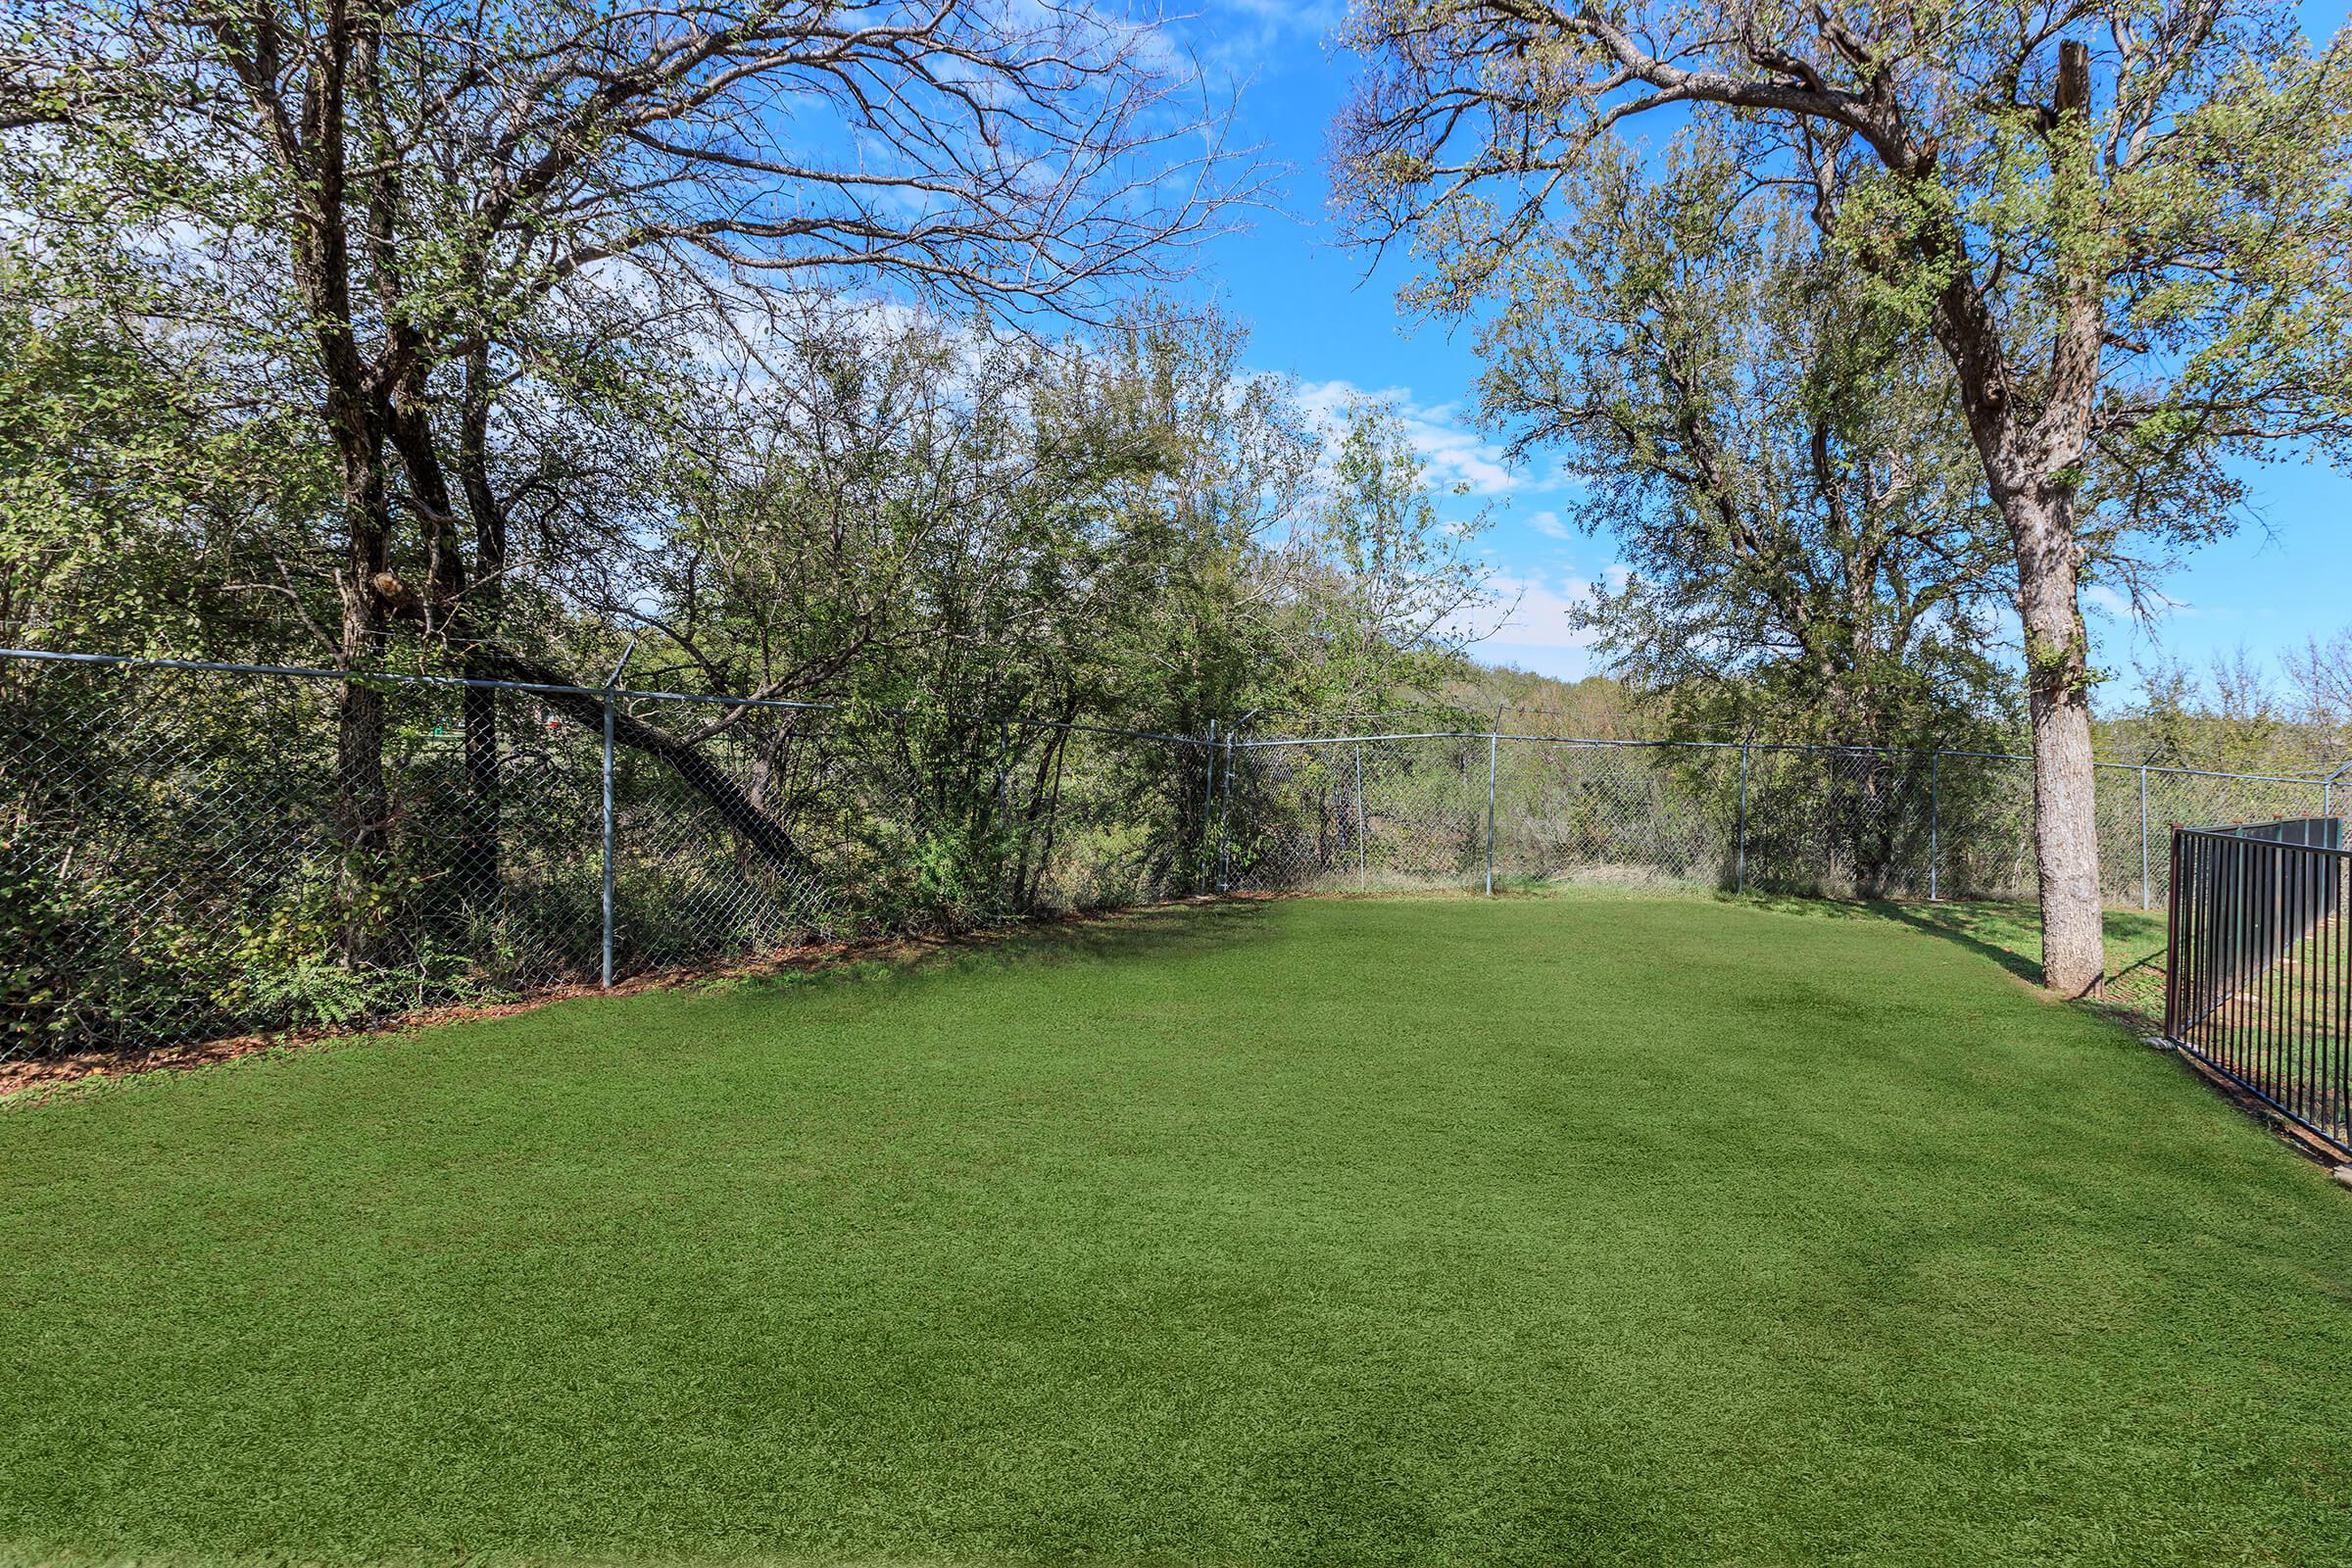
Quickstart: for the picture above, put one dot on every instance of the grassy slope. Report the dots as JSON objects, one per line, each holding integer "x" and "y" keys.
{"x": 1343, "y": 1233}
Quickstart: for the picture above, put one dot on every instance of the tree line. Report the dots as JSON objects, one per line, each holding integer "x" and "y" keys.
{"x": 1913, "y": 315}
{"x": 801, "y": 352}
{"x": 839, "y": 352}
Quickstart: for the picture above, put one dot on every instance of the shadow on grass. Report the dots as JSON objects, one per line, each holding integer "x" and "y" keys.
{"x": 1988, "y": 932}
{"x": 1156, "y": 931}
{"x": 2003, "y": 933}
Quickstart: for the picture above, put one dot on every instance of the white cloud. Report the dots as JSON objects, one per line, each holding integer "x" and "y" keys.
{"x": 1560, "y": 664}
{"x": 1255, "y": 37}
{"x": 1531, "y": 612}
{"x": 1548, "y": 523}
{"x": 2106, "y": 601}
{"x": 1530, "y": 629}
{"x": 1456, "y": 455}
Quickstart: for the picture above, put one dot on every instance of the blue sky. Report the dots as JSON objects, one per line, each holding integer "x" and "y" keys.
{"x": 1315, "y": 314}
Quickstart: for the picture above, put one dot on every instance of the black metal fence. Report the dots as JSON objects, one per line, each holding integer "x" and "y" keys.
{"x": 2259, "y": 965}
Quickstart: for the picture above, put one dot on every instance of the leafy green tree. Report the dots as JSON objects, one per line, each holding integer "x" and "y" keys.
{"x": 1389, "y": 588}
{"x": 1811, "y": 555}
{"x": 2122, "y": 223}
{"x": 416, "y": 217}
{"x": 140, "y": 508}
{"x": 1131, "y": 530}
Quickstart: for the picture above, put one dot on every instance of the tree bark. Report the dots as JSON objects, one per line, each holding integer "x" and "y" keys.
{"x": 2066, "y": 841}
{"x": 362, "y": 801}
{"x": 2042, "y": 522}
{"x": 486, "y": 610}
{"x": 449, "y": 614}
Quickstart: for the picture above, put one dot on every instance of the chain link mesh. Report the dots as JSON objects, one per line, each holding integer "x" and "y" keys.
{"x": 180, "y": 859}
{"x": 1395, "y": 812}
{"x": 1842, "y": 822}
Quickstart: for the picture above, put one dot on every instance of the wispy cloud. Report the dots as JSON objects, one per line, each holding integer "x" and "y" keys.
{"x": 1533, "y": 611}
{"x": 1457, "y": 454}
{"x": 1253, "y": 36}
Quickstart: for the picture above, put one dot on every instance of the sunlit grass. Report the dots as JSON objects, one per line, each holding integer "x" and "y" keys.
{"x": 1344, "y": 1232}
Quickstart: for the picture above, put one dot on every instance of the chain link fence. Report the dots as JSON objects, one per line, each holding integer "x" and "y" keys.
{"x": 183, "y": 857}
{"x": 1475, "y": 809}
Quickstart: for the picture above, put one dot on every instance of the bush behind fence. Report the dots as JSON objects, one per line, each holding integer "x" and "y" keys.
{"x": 179, "y": 858}
{"x": 1385, "y": 812}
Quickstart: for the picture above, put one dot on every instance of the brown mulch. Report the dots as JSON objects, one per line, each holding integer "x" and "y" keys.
{"x": 31, "y": 1080}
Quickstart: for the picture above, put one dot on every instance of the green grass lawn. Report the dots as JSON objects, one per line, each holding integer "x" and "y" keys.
{"x": 1388, "y": 1230}
{"x": 2010, "y": 935}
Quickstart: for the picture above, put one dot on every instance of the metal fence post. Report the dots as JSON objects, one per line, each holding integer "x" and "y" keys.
{"x": 612, "y": 683}
{"x": 1201, "y": 862}
{"x": 1493, "y": 743}
{"x": 1363, "y": 825}
{"x": 1935, "y": 822}
{"x": 608, "y": 895}
{"x": 1742, "y": 875}
{"x": 1225, "y": 823}
{"x": 2146, "y": 887}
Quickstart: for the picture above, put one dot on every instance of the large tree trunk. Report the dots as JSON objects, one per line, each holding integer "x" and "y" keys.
{"x": 362, "y": 801}
{"x": 319, "y": 255}
{"x": 2066, "y": 841}
{"x": 449, "y": 614}
{"x": 486, "y": 612}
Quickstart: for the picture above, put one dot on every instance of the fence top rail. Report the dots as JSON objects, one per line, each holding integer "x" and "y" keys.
{"x": 553, "y": 689}
{"x": 2311, "y": 781}
{"x": 2225, "y": 834}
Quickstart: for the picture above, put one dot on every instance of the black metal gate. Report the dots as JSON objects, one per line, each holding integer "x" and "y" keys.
{"x": 2258, "y": 978}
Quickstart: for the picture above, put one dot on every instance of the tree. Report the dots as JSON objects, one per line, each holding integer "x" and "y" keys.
{"x": 415, "y": 215}
{"x": 1811, "y": 555}
{"x": 140, "y": 508}
{"x": 1387, "y": 587}
{"x": 2124, "y": 225}
{"x": 2230, "y": 718}
{"x": 2322, "y": 679}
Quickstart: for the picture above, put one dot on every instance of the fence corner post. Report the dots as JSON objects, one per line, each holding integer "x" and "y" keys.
{"x": 1202, "y": 859}
{"x": 2172, "y": 938}
{"x": 1740, "y": 876}
{"x": 608, "y": 825}
{"x": 1363, "y": 825}
{"x": 1494, "y": 744}
{"x": 1225, "y": 819}
{"x": 2147, "y": 892}
{"x": 611, "y": 688}
{"x": 1934, "y": 826}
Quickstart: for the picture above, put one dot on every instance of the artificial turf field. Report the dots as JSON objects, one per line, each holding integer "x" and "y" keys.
{"x": 1535, "y": 1231}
